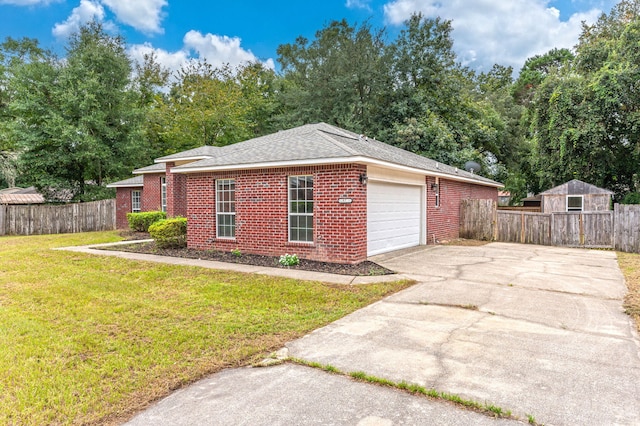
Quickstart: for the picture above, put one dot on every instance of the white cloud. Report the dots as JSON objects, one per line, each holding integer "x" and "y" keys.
{"x": 87, "y": 11}
{"x": 28, "y": 2}
{"x": 217, "y": 50}
{"x": 172, "y": 61}
{"x": 498, "y": 31}
{"x": 359, "y": 4}
{"x": 143, "y": 15}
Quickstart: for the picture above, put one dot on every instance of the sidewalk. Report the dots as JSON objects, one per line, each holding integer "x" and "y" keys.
{"x": 235, "y": 267}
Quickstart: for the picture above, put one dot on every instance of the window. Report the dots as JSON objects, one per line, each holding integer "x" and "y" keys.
{"x": 163, "y": 194}
{"x": 301, "y": 208}
{"x": 436, "y": 190}
{"x": 574, "y": 203}
{"x": 135, "y": 201}
{"x": 226, "y": 208}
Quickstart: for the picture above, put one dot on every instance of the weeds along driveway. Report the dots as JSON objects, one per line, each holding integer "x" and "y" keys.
{"x": 537, "y": 330}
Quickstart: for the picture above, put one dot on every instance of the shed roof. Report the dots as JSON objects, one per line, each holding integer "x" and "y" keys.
{"x": 321, "y": 143}
{"x": 135, "y": 181}
{"x": 576, "y": 187}
{"x": 16, "y": 198}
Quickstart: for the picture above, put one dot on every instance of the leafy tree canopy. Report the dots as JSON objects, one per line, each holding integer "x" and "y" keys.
{"x": 76, "y": 120}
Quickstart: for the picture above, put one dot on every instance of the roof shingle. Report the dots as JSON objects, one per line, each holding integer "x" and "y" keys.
{"x": 319, "y": 142}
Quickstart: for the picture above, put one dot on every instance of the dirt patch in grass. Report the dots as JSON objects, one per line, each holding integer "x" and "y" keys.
{"x": 630, "y": 266}
{"x": 366, "y": 268}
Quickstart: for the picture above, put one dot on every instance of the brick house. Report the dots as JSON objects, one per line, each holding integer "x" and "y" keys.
{"x": 319, "y": 191}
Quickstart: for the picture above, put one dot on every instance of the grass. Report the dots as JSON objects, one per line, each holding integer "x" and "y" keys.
{"x": 630, "y": 266}
{"x": 91, "y": 339}
{"x": 415, "y": 389}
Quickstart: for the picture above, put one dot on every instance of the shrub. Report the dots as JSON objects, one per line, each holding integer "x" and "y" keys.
{"x": 141, "y": 221}
{"x": 631, "y": 198}
{"x": 289, "y": 259}
{"x": 169, "y": 233}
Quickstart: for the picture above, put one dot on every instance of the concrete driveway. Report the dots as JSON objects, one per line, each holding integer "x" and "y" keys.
{"x": 535, "y": 330}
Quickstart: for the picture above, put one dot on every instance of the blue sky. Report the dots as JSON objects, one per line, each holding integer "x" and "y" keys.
{"x": 485, "y": 31}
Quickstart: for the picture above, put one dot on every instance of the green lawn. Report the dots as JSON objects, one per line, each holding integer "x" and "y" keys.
{"x": 630, "y": 266}
{"x": 91, "y": 339}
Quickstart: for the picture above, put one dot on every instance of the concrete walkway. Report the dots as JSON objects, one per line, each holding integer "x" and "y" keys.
{"x": 536, "y": 330}
{"x": 236, "y": 267}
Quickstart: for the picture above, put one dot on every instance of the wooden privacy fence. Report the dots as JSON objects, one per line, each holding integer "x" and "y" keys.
{"x": 57, "y": 219}
{"x": 619, "y": 229}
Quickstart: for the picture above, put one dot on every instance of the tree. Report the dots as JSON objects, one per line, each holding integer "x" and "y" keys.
{"x": 215, "y": 106}
{"x": 585, "y": 117}
{"x": 12, "y": 54}
{"x": 338, "y": 78}
{"x": 536, "y": 69}
{"x": 77, "y": 120}
{"x": 436, "y": 108}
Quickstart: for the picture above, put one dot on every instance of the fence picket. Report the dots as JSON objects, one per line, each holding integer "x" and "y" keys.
{"x": 49, "y": 219}
{"x": 618, "y": 229}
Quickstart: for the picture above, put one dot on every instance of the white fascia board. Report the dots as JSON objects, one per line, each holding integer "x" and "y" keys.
{"x": 149, "y": 172}
{"x": 323, "y": 161}
{"x": 131, "y": 185}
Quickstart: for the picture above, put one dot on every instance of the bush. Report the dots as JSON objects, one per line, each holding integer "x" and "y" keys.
{"x": 631, "y": 198}
{"x": 289, "y": 260}
{"x": 141, "y": 221}
{"x": 170, "y": 233}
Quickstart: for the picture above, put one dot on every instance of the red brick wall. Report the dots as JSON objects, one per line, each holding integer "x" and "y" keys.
{"x": 340, "y": 233}
{"x": 123, "y": 205}
{"x": 151, "y": 195}
{"x": 443, "y": 222}
{"x": 176, "y": 193}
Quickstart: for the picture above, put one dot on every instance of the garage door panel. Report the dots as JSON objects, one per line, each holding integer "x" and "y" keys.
{"x": 394, "y": 216}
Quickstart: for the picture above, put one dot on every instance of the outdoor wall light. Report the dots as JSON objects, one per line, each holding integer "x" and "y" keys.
{"x": 434, "y": 186}
{"x": 364, "y": 178}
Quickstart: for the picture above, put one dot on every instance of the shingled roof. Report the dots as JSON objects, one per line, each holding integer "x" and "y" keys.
{"x": 320, "y": 143}
{"x": 154, "y": 168}
{"x": 576, "y": 187}
{"x": 192, "y": 154}
{"x": 128, "y": 183}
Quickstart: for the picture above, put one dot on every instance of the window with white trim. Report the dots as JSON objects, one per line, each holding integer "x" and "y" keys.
{"x": 226, "y": 208}
{"x": 163, "y": 194}
{"x": 574, "y": 203}
{"x": 436, "y": 190}
{"x": 135, "y": 200}
{"x": 301, "y": 209}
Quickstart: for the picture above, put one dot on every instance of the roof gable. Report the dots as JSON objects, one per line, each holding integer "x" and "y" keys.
{"x": 576, "y": 187}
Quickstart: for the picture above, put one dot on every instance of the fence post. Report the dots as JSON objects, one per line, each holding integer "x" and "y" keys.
{"x": 614, "y": 222}
{"x": 495, "y": 222}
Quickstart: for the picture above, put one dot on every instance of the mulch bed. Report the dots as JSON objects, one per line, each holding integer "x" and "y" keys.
{"x": 362, "y": 268}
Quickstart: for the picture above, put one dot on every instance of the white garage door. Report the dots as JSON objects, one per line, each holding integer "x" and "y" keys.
{"x": 393, "y": 216}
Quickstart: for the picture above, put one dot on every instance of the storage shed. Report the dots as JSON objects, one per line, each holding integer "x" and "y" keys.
{"x": 575, "y": 196}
